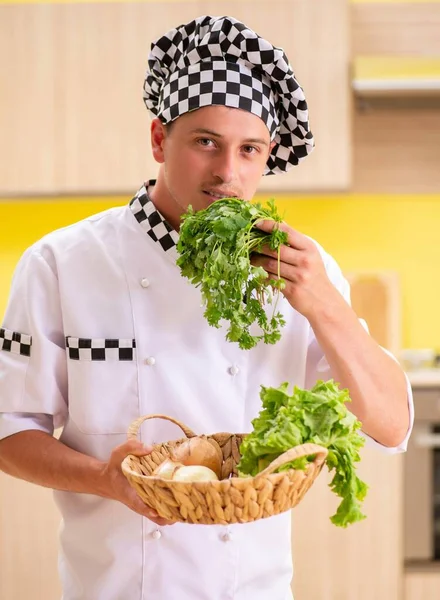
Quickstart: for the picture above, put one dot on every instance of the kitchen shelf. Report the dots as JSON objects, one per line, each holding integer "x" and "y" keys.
{"x": 424, "y": 378}
{"x": 378, "y": 76}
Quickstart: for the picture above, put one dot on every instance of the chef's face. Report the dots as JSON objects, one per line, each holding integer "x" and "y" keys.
{"x": 207, "y": 154}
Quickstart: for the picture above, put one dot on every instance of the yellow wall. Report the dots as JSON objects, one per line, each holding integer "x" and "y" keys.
{"x": 362, "y": 232}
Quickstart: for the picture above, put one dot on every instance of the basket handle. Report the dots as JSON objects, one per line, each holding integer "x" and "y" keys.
{"x": 133, "y": 430}
{"x": 294, "y": 453}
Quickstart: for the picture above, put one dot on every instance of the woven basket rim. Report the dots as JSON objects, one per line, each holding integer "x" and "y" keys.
{"x": 274, "y": 475}
{"x": 229, "y": 499}
{"x": 269, "y": 471}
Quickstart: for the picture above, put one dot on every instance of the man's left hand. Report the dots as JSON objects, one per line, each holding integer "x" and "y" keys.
{"x": 308, "y": 288}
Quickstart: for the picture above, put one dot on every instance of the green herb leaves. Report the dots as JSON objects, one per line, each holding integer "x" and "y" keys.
{"x": 215, "y": 246}
{"x": 319, "y": 416}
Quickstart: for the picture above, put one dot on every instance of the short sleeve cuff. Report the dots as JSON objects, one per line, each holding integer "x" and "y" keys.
{"x": 11, "y": 423}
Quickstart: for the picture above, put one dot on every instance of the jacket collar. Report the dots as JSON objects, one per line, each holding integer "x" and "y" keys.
{"x": 152, "y": 222}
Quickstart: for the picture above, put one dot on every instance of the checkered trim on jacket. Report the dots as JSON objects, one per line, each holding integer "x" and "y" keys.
{"x": 15, "y": 342}
{"x": 152, "y": 221}
{"x": 100, "y": 349}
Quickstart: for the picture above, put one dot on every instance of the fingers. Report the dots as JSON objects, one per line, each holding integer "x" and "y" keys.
{"x": 287, "y": 254}
{"x": 134, "y": 447}
{"x": 116, "y": 486}
{"x": 269, "y": 262}
{"x": 148, "y": 512}
{"x": 153, "y": 516}
{"x": 295, "y": 239}
{"x": 270, "y": 265}
{"x": 129, "y": 495}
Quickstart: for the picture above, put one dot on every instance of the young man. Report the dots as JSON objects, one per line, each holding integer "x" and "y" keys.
{"x": 101, "y": 328}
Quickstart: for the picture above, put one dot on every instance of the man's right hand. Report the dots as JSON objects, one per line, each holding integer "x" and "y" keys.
{"x": 116, "y": 486}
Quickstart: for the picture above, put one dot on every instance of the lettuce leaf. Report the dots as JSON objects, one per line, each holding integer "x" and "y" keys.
{"x": 319, "y": 416}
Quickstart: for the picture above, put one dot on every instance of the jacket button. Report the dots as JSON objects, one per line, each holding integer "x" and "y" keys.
{"x": 234, "y": 370}
{"x": 156, "y": 535}
{"x": 150, "y": 361}
{"x": 145, "y": 282}
{"x": 226, "y": 537}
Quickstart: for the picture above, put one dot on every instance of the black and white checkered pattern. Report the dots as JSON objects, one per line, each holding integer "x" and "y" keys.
{"x": 218, "y": 60}
{"x": 17, "y": 343}
{"x": 100, "y": 349}
{"x": 226, "y": 84}
{"x": 152, "y": 221}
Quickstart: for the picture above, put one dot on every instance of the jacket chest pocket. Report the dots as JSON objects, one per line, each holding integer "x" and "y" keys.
{"x": 103, "y": 384}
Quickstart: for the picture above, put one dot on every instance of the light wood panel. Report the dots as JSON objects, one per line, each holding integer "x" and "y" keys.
{"x": 315, "y": 37}
{"x": 422, "y": 586}
{"x": 375, "y": 297}
{"x": 74, "y": 120}
{"x": 72, "y": 116}
{"x": 396, "y": 150}
{"x": 396, "y": 29}
{"x": 30, "y": 116}
{"x": 363, "y": 561}
{"x": 29, "y": 523}
{"x": 396, "y": 144}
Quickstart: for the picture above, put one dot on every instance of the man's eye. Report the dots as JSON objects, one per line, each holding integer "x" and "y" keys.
{"x": 250, "y": 149}
{"x": 204, "y": 142}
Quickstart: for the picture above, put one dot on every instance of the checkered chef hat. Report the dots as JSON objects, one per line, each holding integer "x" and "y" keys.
{"x": 218, "y": 60}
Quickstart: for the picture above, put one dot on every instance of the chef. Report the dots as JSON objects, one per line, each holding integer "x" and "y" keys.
{"x": 101, "y": 328}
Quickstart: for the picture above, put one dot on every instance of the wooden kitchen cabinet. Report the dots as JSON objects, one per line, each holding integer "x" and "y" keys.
{"x": 29, "y": 523}
{"x": 382, "y": 33}
{"x": 363, "y": 561}
{"x": 72, "y": 116}
{"x": 422, "y": 585}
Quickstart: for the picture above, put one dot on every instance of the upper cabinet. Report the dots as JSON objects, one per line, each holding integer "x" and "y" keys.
{"x": 395, "y": 74}
{"x": 71, "y": 111}
{"x": 396, "y": 49}
{"x": 396, "y": 28}
{"x": 315, "y": 35}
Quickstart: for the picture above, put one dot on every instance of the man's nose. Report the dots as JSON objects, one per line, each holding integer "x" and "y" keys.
{"x": 225, "y": 166}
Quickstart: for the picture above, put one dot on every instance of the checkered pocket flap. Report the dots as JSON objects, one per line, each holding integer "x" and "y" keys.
{"x": 15, "y": 342}
{"x": 101, "y": 349}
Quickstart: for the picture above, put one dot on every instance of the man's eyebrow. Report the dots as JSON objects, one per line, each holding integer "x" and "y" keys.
{"x": 218, "y": 135}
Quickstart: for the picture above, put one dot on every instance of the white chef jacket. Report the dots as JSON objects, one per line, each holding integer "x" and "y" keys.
{"x": 100, "y": 329}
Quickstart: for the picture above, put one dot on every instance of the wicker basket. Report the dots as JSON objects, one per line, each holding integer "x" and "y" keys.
{"x": 232, "y": 499}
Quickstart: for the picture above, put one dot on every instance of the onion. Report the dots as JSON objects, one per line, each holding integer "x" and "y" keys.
{"x": 194, "y": 473}
{"x": 166, "y": 469}
{"x": 200, "y": 451}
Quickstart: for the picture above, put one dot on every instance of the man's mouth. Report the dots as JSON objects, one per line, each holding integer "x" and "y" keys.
{"x": 218, "y": 195}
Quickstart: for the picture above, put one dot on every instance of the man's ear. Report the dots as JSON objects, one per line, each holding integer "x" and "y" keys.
{"x": 158, "y": 136}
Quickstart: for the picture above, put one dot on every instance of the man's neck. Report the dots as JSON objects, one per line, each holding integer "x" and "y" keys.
{"x": 166, "y": 204}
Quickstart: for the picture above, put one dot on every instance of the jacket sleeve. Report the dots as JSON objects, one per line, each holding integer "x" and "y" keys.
{"x": 317, "y": 367}
{"x": 33, "y": 372}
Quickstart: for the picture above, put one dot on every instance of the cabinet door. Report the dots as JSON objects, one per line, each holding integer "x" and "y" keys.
{"x": 315, "y": 36}
{"x": 29, "y": 522}
{"x": 422, "y": 586}
{"x": 73, "y": 119}
{"x": 363, "y": 561}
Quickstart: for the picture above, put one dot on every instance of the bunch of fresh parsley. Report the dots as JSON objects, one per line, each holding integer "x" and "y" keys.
{"x": 319, "y": 416}
{"x": 215, "y": 247}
